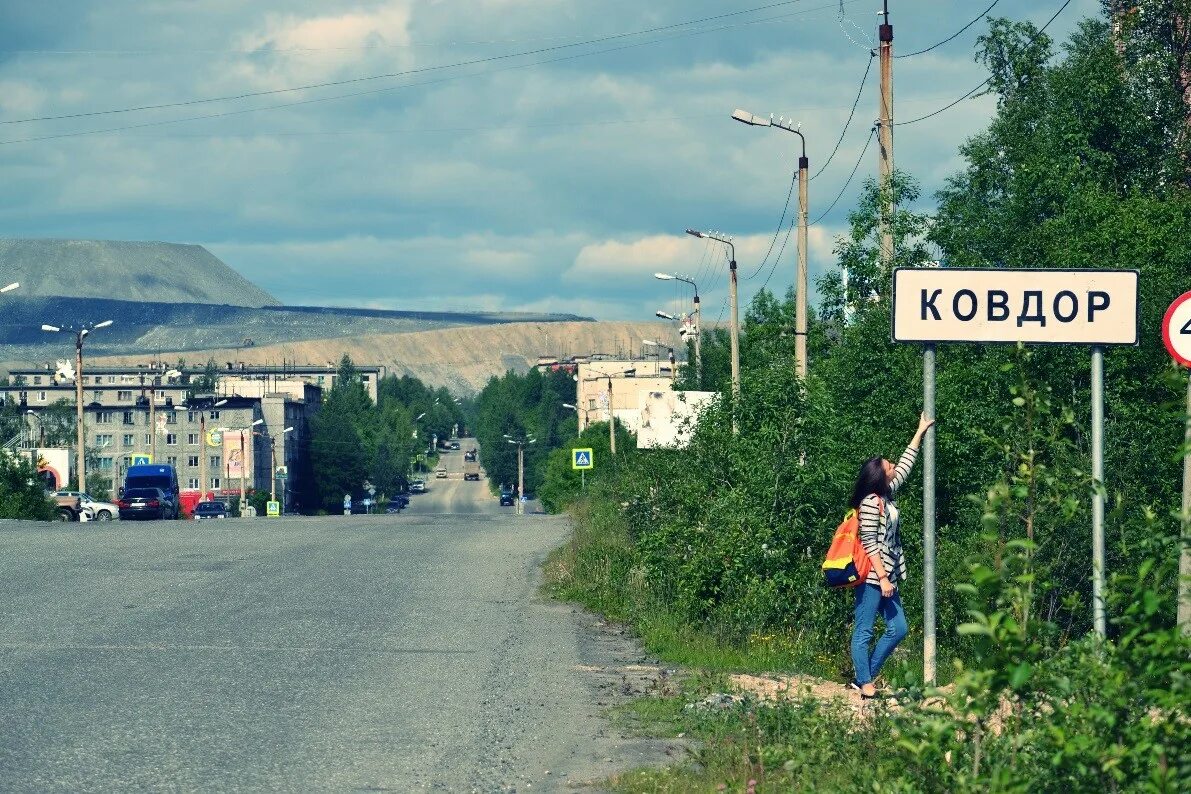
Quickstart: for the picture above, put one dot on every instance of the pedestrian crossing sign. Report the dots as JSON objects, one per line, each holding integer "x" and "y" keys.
{"x": 582, "y": 459}
{"x": 142, "y": 460}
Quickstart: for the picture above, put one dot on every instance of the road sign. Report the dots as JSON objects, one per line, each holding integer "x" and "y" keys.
{"x": 142, "y": 460}
{"x": 1082, "y": 307}
{"x": 214, "y": 438}
{"x": 582, "y": 459}
{"x": 282, "y": 472}
{"x": 1176, "y": 329}
{"x": 273, "y": 509}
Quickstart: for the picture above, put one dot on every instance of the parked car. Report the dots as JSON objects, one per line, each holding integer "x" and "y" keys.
{"x": 164, "y": 478}
{"x": 145, "y": 503}
{"x": 204, "y": 510}
{"x": 99, "y": 511}
{"x": 417, "y": 486}
{"x": 455, "y": 445}
{"x": 507, "y": 499}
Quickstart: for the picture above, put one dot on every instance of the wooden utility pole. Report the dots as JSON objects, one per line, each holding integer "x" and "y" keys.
{"x": 80, "y": 431}
{"x": 611, "y": 420}
{"x": 803, "y": 283}
{"x": 885, "y": 139}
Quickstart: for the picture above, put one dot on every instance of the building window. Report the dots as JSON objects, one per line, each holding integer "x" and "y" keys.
{"x": 214, "y": 415}
{"x": 41, "y": 396}
{"x": 192, "y": 483}
{"x": 171, "y": 418}
{"x": 111, "y": 378}
{"x": 192, "y": 439}
{"x": 214, "y": 482}
{"x": 105, "y": 464}
{"x": 128, "y": 418}
{"x": 171, "y": 439}
{"x": 216, "y": 461}
{"x": 104, "y": 440}
{"x": 192, "y": 460}
{"x": 123, "y": 395}
{"x": 172, "y": 460}
{"x": 98, "y": 379}
{"x": 127, "y": 461}
{"x": 105, "y": 417}
{"x": 36, "y": 380}
{"x": 148, "y": 440}
{"x": 97, "y": 396}
{"x": 129, "y": 439}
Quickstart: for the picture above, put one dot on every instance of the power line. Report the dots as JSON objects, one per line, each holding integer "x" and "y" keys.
{"x": 780, "y": 223}
{"x": 986, "y": 81}
{"x": 405, "y": 73}
{"x": 778, "y": 258}
{"x": 954, "y": 35}
{"x": 851, "y": 176}
{"x": 868, "y": 68}
{"x": 369, "y": 92}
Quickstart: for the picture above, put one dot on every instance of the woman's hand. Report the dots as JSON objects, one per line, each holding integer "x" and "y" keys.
{"x": 923, "y": 425}
{"x": 887, "y": 587}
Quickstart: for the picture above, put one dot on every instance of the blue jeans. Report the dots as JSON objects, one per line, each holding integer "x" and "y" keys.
{"x": 868, "y": 603}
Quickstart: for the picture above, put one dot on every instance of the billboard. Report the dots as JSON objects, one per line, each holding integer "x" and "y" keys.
{"x": 233, "y": 459}
{"x": 667, "y": 418}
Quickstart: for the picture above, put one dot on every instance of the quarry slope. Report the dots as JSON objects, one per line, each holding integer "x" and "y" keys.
{"x": 462, "y": 358}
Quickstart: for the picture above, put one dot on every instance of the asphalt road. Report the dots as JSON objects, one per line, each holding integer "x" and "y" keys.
{"x": 340, "y": 653}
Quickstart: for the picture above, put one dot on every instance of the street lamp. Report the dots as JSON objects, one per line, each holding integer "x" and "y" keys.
{"x": 10, "y": 287}
{"x": 208, "y": 404}
{"x": 80, "y": 334}
{"x": 244, "y": 463}
{"x": 628, "y": 373}
{"x": 273, "y": 460}
{"x": 698, "y": 315}
{"x": 784, "y": 124}
{"x": 734, "y": 329}
{"x": 40, "y": 427}
{"x": 520, "y": 443}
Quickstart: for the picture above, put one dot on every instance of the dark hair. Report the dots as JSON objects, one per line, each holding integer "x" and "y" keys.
{"x": 871, "y": 480}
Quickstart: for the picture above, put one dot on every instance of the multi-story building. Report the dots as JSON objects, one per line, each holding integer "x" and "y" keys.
{"x": 124, "y": 408}
{"x": 628, "y": 378}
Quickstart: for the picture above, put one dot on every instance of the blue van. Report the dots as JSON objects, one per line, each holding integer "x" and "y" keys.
{"x": 155, "y": 476}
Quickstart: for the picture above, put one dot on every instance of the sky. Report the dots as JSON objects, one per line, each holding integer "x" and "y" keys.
{"x": 500, "y": 155}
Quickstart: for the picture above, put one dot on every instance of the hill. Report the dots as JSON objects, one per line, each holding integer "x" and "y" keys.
{"x": 462, "y": 358}
{"x": 134, "y": 271}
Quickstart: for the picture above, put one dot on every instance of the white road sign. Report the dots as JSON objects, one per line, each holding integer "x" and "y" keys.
{"x": 1176, "y": 329}
{"x": 1082, "y": 307}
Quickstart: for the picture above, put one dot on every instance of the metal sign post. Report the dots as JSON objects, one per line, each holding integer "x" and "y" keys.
{"x": 1176, "y": 335}
{"x": 1079, "y": 307}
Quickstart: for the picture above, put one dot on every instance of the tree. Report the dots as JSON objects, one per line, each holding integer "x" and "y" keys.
{"x": 338, "y": 458}
{"x": 21, "y": 492}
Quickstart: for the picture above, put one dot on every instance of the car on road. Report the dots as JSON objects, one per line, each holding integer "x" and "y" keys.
{"x": 441, "y": 473}
{"x": 417, "y": 486}
{"x": 70, "y": 508}
{"x": 99, "y": 511}
{"x": 205, "y": 510}
{"x": 507, "y": 499}
{"x": 455, "y": 445}
{"x": 138, "y": 503}
{"x": 400, "y": 500}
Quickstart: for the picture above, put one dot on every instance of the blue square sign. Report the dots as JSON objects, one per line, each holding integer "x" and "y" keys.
{"x": 582, "y": 459}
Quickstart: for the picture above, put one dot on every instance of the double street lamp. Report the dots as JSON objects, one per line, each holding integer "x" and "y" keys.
{"x": 782, "y": 123}
{"x": 202, "y": 405}
{"x": 243, "y": 431}
{"x": 520, "y": 443}
{"x": 657, "y": 346}
{"x": 80, "y": 334}
{"x": 697, "y": 314}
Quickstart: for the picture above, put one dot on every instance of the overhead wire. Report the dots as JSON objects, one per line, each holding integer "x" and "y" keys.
{"x": 448, "y": 78}
{"x": 409, "y": 72}
{"x": 872, "y": 132}
{"x": 954, "y": 35}
{"x": 986, "y": 81}
{"x": 855, "y": 103}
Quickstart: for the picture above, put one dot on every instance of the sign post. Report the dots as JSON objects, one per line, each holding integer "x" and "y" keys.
{"x": 582, "y": 459}
{"x": 1176, "y": 335}
{"x": 1077, "y": 307}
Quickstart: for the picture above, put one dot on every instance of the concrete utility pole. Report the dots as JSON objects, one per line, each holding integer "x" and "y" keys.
{"x": 734, "y": 329}
{"x": 81, "y": 433}
{"x": 885, "y": 138}
{"x": 1184, "y": 608}
{"x": 800, "y": 277}
{"x": 611, "y": 419}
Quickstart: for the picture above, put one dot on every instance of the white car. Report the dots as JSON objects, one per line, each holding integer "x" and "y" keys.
{"x": 93, "y": 509}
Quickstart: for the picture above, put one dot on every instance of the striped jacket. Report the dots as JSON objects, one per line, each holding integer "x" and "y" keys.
{"x": 880, "y": 530}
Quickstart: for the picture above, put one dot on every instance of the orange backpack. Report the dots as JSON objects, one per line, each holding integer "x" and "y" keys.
{"x": 847, "y": 564}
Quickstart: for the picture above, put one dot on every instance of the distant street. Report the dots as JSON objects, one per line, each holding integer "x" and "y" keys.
{"x": 342, "y": 653}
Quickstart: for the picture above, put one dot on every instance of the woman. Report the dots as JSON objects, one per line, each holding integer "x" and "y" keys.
{"x": 880, "y": 534}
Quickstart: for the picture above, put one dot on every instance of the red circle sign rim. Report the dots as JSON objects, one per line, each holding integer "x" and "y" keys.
{"x": 1166, "y": 340}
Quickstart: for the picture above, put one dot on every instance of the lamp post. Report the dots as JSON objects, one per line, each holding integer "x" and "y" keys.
{"x": 698, "y": 315}
{"x": 521, "y": 442}
{"x": 40, "y": 429}
{"x": 243, "y": 462}
{"x": 782, "y": 123}
{"x": 273, "y": 461}
{"x": 611, "y": 410}
{"x": 208, "y": 404}
{"x": 79, "y": 335}
{"x": 734, "y": 330}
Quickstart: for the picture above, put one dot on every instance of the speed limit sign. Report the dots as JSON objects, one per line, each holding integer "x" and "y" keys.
{"x": 1176, "y": 329}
